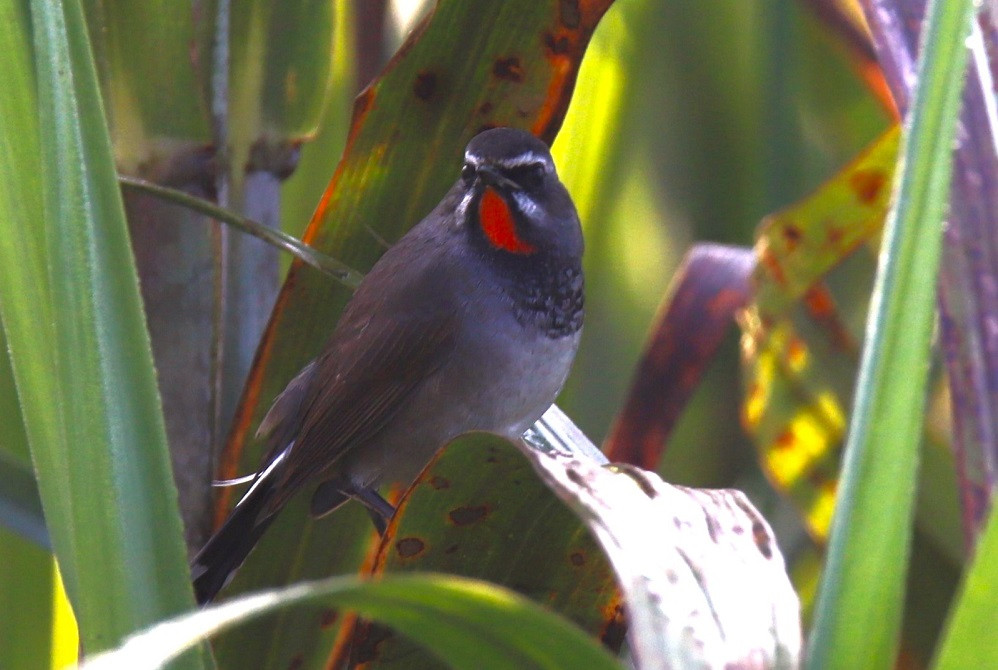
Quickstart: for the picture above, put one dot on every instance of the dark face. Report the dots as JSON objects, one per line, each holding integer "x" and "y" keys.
{"x": 513, "y": 196}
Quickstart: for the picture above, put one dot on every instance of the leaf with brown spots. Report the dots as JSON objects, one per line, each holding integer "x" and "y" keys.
{"x": 795, "y": 414}
{"x": 696, "y": 585}
{"x": 799, "y": 359}
{"x": 796, "y": 248}
{"x": 496, "y": 521}
{"x": 799, "y": 245}
{"x": 403, "y": 151}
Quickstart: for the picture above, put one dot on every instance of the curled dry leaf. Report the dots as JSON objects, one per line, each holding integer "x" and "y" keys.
{"x": 711, "y": 284}
{"x": 704, "y": 583}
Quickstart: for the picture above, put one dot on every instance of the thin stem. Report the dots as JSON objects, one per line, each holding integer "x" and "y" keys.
{"x": 306, "y": 254}
{"x": 219, "y": 237}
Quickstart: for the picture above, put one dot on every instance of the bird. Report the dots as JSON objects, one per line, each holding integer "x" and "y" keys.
{"x": 469, "y": 322}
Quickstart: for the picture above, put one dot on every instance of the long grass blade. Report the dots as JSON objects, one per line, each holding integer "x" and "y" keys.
{"x": 859, "y": 605}
{"x": 83, "y": 365}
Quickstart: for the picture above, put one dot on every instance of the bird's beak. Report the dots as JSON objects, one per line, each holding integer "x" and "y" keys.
{"x": 492, "y": 177}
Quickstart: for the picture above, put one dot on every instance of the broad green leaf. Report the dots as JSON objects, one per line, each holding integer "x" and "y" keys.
{"x": 860, "y": 599}
{"x": 79, "y": 348}
{"x": 37, "y": 629}
{"x": 969, "y": 641}
{"x": 469, "y": 66}
{"x": 281, "y": 60}
{"x": 467, "y": 623}
{"x": 157, "y": 108}
{"x": 295, "y": 548}
{"x": 479, "y": 510}
{"x": 158, "y": 116}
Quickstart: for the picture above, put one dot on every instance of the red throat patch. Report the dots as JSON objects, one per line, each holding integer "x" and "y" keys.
{"x": 498, "y": 224}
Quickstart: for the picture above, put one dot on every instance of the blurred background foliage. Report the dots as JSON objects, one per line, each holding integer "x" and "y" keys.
{"x": 690, "y": 122}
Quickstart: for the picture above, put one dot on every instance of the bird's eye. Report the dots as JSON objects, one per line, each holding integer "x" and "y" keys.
{"x": 529, "y": 177}
{"x": 468, "y": 174}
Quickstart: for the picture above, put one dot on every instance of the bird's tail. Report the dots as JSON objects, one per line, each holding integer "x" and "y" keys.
{"x": 226, "y": 550}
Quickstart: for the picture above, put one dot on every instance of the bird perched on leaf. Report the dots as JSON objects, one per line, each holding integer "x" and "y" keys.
{"x": 469, "y": 322}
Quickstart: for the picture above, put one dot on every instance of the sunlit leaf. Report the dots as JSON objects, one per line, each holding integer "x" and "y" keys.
{"x": 468, "y": 624}
{"x": 795, "y": 416}
{"x": 969, "y": 641}
{"x": 703, "y": 580}
{"x": 798, "y": 359}
{"x": 800, "y": 244}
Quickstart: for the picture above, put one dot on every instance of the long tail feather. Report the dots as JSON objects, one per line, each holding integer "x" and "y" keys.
{"x": 226, "y": 550}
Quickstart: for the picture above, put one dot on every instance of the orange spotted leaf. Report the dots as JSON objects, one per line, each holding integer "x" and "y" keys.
{"x": 494, "y": 519}
{"x": 799, "y": 357}
{"x": 799, "y": 245}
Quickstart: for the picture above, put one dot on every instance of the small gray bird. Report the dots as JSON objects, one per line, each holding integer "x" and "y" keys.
{"x": 469, "y": 322}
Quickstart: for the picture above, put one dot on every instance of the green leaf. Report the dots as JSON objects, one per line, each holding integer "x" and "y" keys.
{"x": 467, "y": 623}
{"x": 28, "y": 595}
{"x": 281, "y": 59}
{"x": 158, "y": 117}
{"x": 26, "y": 604}
{"x": 969, "y": 641}
{"x": 148, "y": 99}
{"x": 78, "y": 344}
{"x": 480, "y": 511}
{"x": 314, "y": 167}
{"x": 860, "y": 598}
{"x": 20, "y": 507}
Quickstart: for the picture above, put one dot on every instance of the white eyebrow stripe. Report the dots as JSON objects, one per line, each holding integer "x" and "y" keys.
{"x": 528, "y": 158}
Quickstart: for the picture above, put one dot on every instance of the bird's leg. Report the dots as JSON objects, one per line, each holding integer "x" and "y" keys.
{"x": 379, "y": 509}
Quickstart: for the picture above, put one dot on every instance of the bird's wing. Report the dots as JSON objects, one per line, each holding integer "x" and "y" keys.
{"x": 361, "y": 381}
{"x": 282, "y": 420}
